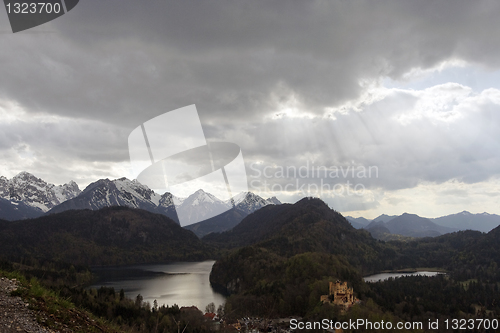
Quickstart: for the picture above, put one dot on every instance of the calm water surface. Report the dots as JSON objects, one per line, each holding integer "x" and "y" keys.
{"x": 181, "y": 283}
{"x": 385, "y": 276}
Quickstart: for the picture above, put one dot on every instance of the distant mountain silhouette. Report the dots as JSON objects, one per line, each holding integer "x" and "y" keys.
{"x": 463, "y": 221}
{"x": 245, "y": 203}
{"x": 375, "y": 224}
{"x": 384, "y": 218}
{"x": 11, "y": 210}
{"x": 413, "y": 225}
{"x": 378, "y": 230}
{"x": 217, "y": 224}
{"x": 358, "y": 222}
{"x": 408, "y": 225}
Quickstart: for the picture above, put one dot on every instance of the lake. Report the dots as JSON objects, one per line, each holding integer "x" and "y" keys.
{"x": 181, "y": 283}
{"x": 385, "y": 276}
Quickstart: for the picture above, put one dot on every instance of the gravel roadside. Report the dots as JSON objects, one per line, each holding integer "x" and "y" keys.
{"x": 15, "y": 316}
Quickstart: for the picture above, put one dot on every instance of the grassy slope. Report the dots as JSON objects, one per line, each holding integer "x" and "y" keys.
{"x": 55, "y": 312}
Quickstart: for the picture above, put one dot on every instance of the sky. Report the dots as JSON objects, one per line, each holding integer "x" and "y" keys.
{"x": 374, "y": 106}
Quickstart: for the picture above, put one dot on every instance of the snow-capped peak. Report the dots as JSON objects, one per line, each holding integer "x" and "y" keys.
{"x": 200, "y": 197}
{"x": 23, "y": 174}
{"x": 250, "y": 202}
{"x": 239, "y": 197}
{"x": 200, "y": 205}
{"x": 167, "y": 200}
{"x": 35, "y": 192}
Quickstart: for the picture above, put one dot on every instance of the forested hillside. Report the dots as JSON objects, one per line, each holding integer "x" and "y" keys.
{"x": 286, "y": 255}
{"x": 110, "y": 236}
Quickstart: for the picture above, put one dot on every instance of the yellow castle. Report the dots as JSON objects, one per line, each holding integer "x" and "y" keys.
{"x": 339, "y": 294}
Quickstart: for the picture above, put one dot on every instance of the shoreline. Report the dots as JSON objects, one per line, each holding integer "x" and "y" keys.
{"x": 414, "y": 270}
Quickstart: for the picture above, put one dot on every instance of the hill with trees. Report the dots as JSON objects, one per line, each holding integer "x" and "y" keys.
{"x": 110, "y": 236}
{"x": 286, "y": 255}
{"x": 306, "y": 226}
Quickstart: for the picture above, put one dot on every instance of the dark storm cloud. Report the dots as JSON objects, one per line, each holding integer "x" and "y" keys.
{"x": 112, "y": 65}
{"x": 430, "y": 147}
{"x": 127, "y": 61}
{"x": 85, "y": 141}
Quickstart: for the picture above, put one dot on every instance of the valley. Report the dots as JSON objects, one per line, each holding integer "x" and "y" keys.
{"x": 272, "y": 259}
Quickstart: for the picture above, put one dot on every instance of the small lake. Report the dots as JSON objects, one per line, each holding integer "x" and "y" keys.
{"x": 181, "y": 283}
{"x": 385, "y": 276}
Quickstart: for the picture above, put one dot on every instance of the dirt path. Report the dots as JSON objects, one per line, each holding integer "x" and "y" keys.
{"x": 14, "y": 313}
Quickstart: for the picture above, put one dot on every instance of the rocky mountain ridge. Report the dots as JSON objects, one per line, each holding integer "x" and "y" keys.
{"x": 35, "y": 192}
{"x": 26, "y": 196}
{"x": 245, "y": 203}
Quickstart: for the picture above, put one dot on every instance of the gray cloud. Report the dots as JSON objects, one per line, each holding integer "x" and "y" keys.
{"x": 84, "y": 140}
{"x": 108, "y": 66}
{"x": 126, "y": 61}
{"x": 427, "y": 148}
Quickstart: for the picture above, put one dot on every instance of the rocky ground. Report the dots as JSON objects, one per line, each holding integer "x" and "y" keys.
{"x": 15, "y": 316}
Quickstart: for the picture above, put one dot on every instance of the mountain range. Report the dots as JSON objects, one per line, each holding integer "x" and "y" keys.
{"x": 245, "y": 204}
{"x": 409, "y": 225}
{"x": 482, "y": 222}
{"x": 384, "y": 227}
{"x": 120, "y": 192}
{"x": 198, "y": 206}
{"x": 26, "y": 196}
